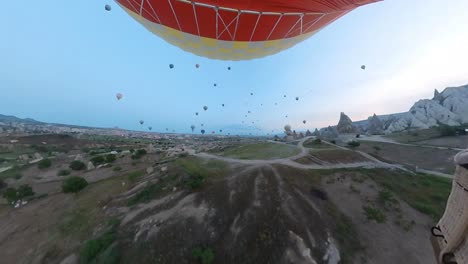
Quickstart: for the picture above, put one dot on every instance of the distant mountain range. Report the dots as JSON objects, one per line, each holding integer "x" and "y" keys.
{"x": 7, "y": 118}
{"x": 450, "y": 107}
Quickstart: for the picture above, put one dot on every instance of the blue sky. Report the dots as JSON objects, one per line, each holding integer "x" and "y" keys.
{"x": 64, "y": 61}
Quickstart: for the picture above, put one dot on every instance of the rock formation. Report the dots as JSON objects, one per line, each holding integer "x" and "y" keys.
{"x": 375, "y": 125}
{"x": 345, "y": 125}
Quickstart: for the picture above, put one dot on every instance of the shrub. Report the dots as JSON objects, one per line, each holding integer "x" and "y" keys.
{"x": 138, "y": 154}
{"x": 333, "y": 141}
{"x": 98, "y": 160}
{"x": 446, "y": 130}
{"x": 354, "y": 144}
{"x": 63, "y": 172}
{"x": 95, "y": 250}
{"x": 44, "y": 164}
{"x": 12, "y": 195}
{"x": 203, "y": 255}
{"x": 374, "y": 214}
{"x": 317, "y": 141}
{"x": 77, "y": 165}
{"x": 110, "y": 158}
{"x": 3, "y": 184}
{"x": 117, "y": 168}
{"x": 195, "y": 181}
{"x": 74, "y": 184}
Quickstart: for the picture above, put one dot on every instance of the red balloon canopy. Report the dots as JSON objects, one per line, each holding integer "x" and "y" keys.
{"x": 237, "y": 29}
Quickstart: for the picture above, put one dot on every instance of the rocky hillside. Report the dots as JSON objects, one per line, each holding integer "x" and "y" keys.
{"x": 449, "y": 107}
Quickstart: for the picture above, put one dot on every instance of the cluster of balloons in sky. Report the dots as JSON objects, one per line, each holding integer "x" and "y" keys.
{"x": 257, "y": 36}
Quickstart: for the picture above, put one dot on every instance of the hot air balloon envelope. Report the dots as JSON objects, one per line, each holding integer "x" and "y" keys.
{"x": 237, "y": 30}
{"x": 108, "y": 7}
{"x": 119, "y": 96}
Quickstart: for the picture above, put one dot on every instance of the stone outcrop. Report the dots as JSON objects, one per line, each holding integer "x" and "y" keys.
{"x": 375, "y": 125}
{"x": 449, "y": 107}
{"x": 345, "y": 125}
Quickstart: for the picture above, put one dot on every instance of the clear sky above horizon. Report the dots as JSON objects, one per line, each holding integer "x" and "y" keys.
{"x": 64, "y": 61}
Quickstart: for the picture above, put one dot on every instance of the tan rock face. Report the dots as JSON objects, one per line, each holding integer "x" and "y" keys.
{"x": 345, "y": 125}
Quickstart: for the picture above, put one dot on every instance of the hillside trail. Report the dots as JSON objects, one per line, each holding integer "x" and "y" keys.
{"x": 290, "y": 161}
{"x": 378, "y": 138}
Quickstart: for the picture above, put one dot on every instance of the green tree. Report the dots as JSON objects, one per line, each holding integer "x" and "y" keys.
{"x": 74, "y": 184}
{"x": 44, "y": 164}
{"x": 77, "y": 165}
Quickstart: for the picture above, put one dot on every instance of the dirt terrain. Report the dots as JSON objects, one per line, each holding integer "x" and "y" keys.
{"x": 206, "y": 208}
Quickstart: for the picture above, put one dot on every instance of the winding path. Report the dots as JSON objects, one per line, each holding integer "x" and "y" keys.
{"x": 373, "y": 163}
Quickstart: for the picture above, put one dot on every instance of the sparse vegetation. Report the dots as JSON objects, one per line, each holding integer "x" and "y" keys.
{"x": 44, "y": 164}
{"x": 135, "y": 175}
{"x": 110, "y": 158}
{"x": 346, "y": 234}
{"x": 117, "y": 168}
{"x": 12, "y": 194}
{"x": 63, "y": 172}
{"x": 74, "y": 184}
{"x": 146, "y": 195}
{"x": 353, "y": 144}
{"x": 99, "y": 250}
{"x": 428, "y": 194}
{"x": 98, "y": 160}
{"x": 203, "y": 255}
{"x": 374, "y": 214}
{"x": 77, "y": 165}
{"x": 261, "y": 151}
{"x": 138, "y": 153}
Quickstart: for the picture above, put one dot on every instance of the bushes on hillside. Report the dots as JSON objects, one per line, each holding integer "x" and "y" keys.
{"x": 63, "y": 172}
{"x": 446, "y": 130}
{"x": 98, "y": 160}
{"x": 77, "y": 165}
{"x": 110, "y": 158}
{"x": 44, "y": 164}
{"x": 12, "y": 195}
{"x": 354, "y": 144}
{"x": 74, "y": 184}
{"x": 138, "y": 154}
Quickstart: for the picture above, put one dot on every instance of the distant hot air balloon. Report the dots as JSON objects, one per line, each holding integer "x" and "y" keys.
{"x": 363, "y": 67}
{"x": 167, "y": 129}
{"x": 304, "y": 121}
{"x": 171, "y": 66}
{"x": 214, "y": 84}
{"x": 205, "y": 107}
{"x": 197, "y": 66}
{"x": 196, "y": 113}
{"x": 212, "y": 132}
{"x": 192, "y": 127}
{"x": 119, "y": 96}
{"x": 142, "y": 122}
{"x": 237, "y": 30}
{"x": 229, "y": 68}
{"x": 248, "y": 112}
{"x": 220, "y": 131}
{"x": 222, "y": 105}
{"x": 201, "y": 124}
{"x": 108, "y": 7}
{"x": 150, "y": 128}
{"x": 251, "y": 93}
{"x": 297, "y": 98}
{"x": 203, "y": 131}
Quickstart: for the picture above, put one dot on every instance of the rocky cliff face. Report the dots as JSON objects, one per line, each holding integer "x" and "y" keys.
{"x": 345, "y": 125}
{"x": 448, "y": 107}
